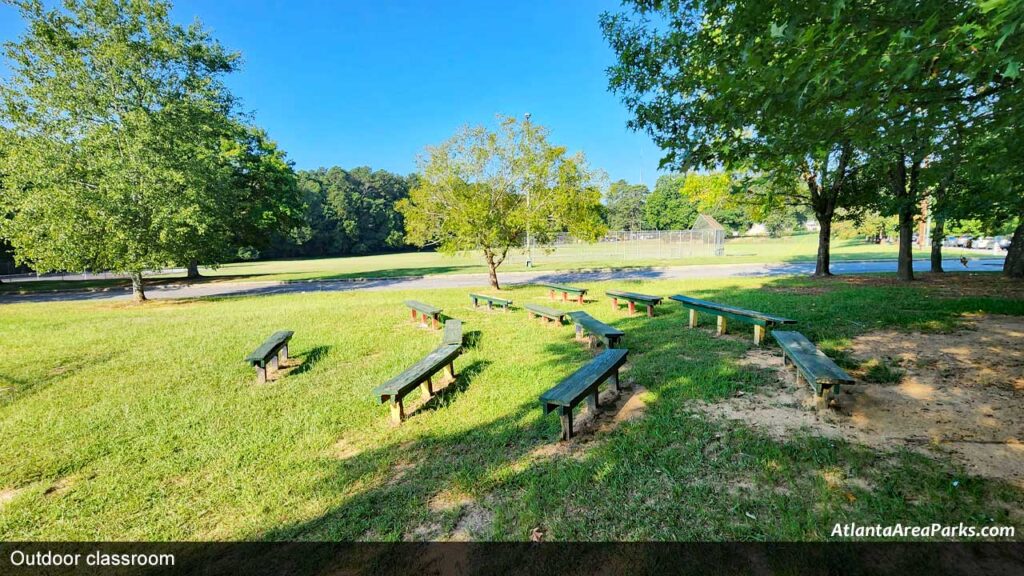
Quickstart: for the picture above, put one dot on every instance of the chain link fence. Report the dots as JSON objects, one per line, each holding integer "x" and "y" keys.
{"x": 626, "y": 246}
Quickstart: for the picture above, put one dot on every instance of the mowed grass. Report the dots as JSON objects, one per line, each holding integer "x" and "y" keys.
{"x": 124, "y": 422}
{"x": 798, "y": 248}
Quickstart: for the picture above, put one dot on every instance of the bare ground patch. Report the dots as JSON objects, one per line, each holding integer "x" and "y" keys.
{"x": 960, "y": 395}
{"x": 8, "y": 494}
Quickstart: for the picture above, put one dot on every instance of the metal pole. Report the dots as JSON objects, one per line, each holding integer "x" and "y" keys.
{"x": 529, "y": 213}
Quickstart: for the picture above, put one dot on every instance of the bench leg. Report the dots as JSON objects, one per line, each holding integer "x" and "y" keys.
{"x": 565, "y": 296}
{"x": 490, "y": 305}
{"x": 759, "y": 332}
{"x": 427, "y": 389}
{"x": 565, "y": 415}
{"x": 437, "y": 322}
{"x": 551, "y": 294}
{"x": 615, "y": 380}
{"x": 579, "y": 333}
{"x": 450, "y": 369}
{"x": 397, "y": 412}
{"x": 592, "y": 341}
{"x": 475, "y": 303}
{"x": 693, "y": 318}
{"x": 273, "y": 363}
{"x": 650, "y": 310}
{"x": 592, "y": 403}
{"x": 721, "y": 325}
{"x": 284, "y": 353}
{"x": 615, "y": 304}
{"x": 261, "y": 374}
{"x": 632, "y": 307}
{"x": 413, "y": 312}
{"x": 580, "y": 299}
{"x": 611, "y": 342}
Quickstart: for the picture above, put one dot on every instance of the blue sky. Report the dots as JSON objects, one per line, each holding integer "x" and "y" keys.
{"x": 353, "y": 83}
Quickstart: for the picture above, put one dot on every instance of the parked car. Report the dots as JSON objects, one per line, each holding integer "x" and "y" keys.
{"x": 964, "y": 241}
{"x": 984, "y": 243}
{"x": 1003, "y": 242}
{"x": 950, "y": 241}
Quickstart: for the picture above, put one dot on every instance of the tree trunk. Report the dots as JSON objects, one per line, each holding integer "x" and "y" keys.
{"x": 193, "y": 270}
{"x": 1013, "y": 266}
{"x": 138, "y": 290}
{"x": 492, "y": 269}
{"x": 821, "y": 267}
{"x": 937, "y": 237}
{"x": 905, "y": 265}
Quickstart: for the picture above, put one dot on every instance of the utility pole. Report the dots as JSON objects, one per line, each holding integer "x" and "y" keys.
{"x": 529, "y": 214}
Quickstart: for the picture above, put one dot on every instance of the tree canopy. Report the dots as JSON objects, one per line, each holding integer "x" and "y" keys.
{"x": 123, "y": 150}
{"x": 485, "y": 190}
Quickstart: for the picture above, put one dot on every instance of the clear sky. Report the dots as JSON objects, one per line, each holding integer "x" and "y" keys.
{"x": 354, "y": 82}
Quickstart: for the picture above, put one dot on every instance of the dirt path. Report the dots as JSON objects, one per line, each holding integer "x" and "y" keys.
{"x": 959, "y": 395}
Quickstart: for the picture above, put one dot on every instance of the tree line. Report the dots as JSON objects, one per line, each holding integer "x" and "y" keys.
{"x": 871, "y": 106}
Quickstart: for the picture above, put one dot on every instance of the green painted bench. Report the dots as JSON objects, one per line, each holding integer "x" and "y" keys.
{"x": 583, "y": 384}
{"x": 565, "y": 290}
{"x": 633, "y": 299}
{"x": 268, "y": 353}
{"x": 426, "y": 311}
{"x": 817, "y": 369}
{"x": 491, "y": 301}
{"x": 585, "y": 322}
{"x": 452, "y": 332}
{"x": 420, "y": 373}
{"x": 761, "y": 321}
{"x": 548, "y": 314}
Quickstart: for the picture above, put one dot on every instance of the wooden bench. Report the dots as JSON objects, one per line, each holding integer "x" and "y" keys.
{"x": 585, "y": 322}
{"x": 817, "y": 369}
{"x": 583, "y": 383}
{"x": 426, "y": 311}
{"x": 268, "y": 353}
{"x": 548, "y": 314}
{"x": 633, "y": 299}
{"x": 760, "y": 320}
{"x": 565, "y": 290}
{"x": 420, "y": 373}
{"x": 491, "y": 301}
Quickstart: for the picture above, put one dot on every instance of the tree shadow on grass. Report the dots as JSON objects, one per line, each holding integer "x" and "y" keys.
{"x": 450, "y": 391}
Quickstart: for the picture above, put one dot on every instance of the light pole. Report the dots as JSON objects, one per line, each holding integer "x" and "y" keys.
{"x": 529, "y": 214}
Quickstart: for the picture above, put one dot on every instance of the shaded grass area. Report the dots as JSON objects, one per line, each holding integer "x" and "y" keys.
{"x": 141, "y": 422}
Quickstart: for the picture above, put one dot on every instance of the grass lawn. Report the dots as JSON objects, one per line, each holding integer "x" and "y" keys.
{"x": 738, "y": 251}
{"x": 124, "y": 422}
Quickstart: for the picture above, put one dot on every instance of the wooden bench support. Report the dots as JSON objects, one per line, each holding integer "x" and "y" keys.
{"x": 722, "y": 326}
{"x": 693, "y": 318}
{"x": 759, "y": 332}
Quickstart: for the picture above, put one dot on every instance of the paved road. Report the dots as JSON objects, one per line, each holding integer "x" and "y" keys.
{"x": 479, "y": 280}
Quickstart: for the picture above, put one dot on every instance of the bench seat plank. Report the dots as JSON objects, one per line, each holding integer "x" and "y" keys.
{"x": 417, "y": 373}
{"x": 552, "y": 313}
{"x": 818, "y": 369}
{"x": 452, "y": 332}
{"x": 734, "y": 312}
{"x": 569, "y": 391}
{"x": 490, "y": 300}
{"x": 610, "y": 335}
{"x": 583, "y": 384}
{"x": 634, "y": 297}
{"x": 270, "y": 347}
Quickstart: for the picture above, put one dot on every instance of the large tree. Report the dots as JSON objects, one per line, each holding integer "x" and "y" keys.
{"x": 627, "y": 204}
{"x": 124, "y": 151}
{"x": 485, "y": 190}
{"x": 667, "y": 209}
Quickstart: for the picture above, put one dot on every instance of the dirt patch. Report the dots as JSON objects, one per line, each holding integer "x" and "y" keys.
{"x": 473, "y": 524}
{"x": 8, "y": 494}
{"x": 960, "y": 394}
{"x": 343, "y": 449}
{"x": 449, "y": 500}
{"x": 956, "y": 285}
